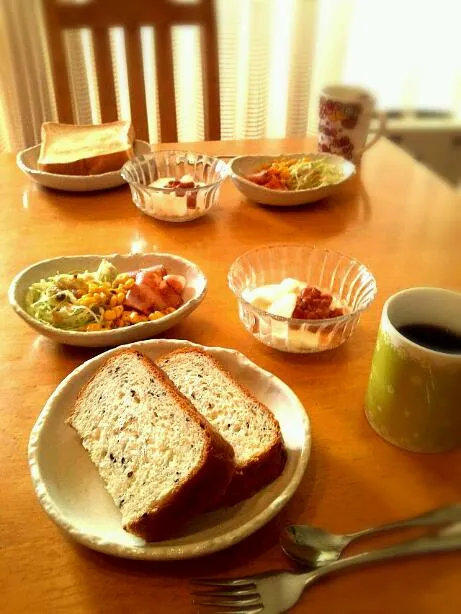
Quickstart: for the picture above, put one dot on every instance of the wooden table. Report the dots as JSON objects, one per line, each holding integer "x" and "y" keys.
{"x": 401, "y": 221}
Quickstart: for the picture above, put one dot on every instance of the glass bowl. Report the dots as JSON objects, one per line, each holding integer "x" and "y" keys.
{"x": 170, "y": 204}
{"x": 345, "y": 278}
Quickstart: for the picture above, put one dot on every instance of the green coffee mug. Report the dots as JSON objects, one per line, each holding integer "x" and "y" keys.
{"x": 414, "y": 393}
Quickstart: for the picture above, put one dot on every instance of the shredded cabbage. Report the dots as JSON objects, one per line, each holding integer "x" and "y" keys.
{"x": 308, "y": 173}
{"x": 106, "y": 271}
{"x": 53, "y": 300}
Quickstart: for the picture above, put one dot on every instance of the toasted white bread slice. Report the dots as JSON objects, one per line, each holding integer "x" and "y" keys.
{"x": 159, "y": 458}
{"x": 245, "y": 423}
{"x": 85, "y": 150}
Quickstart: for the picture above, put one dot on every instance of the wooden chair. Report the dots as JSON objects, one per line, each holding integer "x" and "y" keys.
{"x": 99, "y": 16}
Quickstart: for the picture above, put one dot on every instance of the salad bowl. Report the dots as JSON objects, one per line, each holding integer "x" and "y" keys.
{"x": 193, "y": 294}
{"x": 243, "y": 166}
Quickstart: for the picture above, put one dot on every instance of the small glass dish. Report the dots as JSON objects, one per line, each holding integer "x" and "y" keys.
{"x": 346, "y": 279}
{"x": 174, "y": 204}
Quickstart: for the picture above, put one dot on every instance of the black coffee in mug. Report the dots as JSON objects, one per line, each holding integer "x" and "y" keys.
{"x": 433, "y": 337}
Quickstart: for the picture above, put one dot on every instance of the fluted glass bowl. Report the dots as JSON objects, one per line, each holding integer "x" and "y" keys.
{"x": 344, "y": 278}
{"x": 169, "y": 204}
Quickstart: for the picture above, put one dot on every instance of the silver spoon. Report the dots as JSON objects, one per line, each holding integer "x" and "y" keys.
{"x": 315, "y": 547}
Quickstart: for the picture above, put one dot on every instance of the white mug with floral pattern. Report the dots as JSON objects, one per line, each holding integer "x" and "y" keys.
{"x": 345, "y": 115}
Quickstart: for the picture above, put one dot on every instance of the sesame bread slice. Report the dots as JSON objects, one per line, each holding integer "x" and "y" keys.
{"x": 245, "y": 423}
{"x": 160, "y": 460}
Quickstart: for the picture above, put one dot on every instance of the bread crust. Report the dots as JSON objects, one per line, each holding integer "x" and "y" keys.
{"x": 203, "y": 489}
{"x": 263, "y": 468}
{"x": 95, "y": 165}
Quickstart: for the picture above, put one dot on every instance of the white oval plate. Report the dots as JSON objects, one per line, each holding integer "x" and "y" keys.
{"x": 193, "y": 295}
{"x": 242, "y": 166}
{"x": 27, "y": 162}
{"x": 72, "y": 493}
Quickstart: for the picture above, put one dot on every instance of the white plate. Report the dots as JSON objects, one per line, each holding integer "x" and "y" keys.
{"x": 72, "y": 493}
{"x": 193, "y": 295}
{"x": 27, "y": 162}
{"x": 242, "y": 166}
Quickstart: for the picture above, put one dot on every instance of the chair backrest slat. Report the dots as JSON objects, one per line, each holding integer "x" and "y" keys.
{"x": 105, "y": 74}
{"x": 136, "y": 82}
{"x": 165, "y": 85}
{"x": 100, "y": 16}
{"x": 55, "y": 40}
{"x": 210, "y": 75}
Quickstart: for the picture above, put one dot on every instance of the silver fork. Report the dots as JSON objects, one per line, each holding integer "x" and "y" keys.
{"x": 274, "y": 592}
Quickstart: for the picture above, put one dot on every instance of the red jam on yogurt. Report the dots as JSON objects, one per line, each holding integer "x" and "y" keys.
{"x": 295, "y": 299}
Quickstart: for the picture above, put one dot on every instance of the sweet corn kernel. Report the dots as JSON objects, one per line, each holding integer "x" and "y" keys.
{"x": 113, "y": 300}
{"x": 136, "y": 317}
{"x": 130, "y": 316}
{"x": 118, "y": 310}
{"x": 121, "y": 278}
{"x": 109, "y": 315}
{"x": 87, "y": 300}
{"x": 93, "y": 326}
{"x": 120, "y": 297}
{"x": 155, "y": 315}
{"x": 96, "y": 298}
{"x": 126, "y": 316}
{"x": 129, "y": 283}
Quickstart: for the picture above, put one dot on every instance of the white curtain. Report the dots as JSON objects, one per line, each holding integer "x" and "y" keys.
{"x": 274, "y": 57}
{"x": 406, "y": 51}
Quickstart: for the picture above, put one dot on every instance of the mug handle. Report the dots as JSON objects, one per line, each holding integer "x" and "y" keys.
{"x": 379, "y": 132}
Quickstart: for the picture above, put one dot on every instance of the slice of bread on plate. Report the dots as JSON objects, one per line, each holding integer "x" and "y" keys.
{"x": 245, "y": 423}
{"x": 68, "y": 149}
{"x": 160, "y": 460}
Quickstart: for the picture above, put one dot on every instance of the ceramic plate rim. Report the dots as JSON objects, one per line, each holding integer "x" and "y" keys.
{"x": 163, "y": 552}
{"x": 31, "y": 321}
{"x": 35, "y": 171}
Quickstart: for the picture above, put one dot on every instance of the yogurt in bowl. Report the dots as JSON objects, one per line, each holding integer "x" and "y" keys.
{"x": 297, "y": 298}
{"x": 182, "y": 195}
{"x": 175, "y": 186}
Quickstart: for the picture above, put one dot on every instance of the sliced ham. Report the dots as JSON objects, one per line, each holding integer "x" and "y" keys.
{"x": 260, "y": 178}
{"x": 154, "y": 290}
{"x": 151, "y": 277}
{"x": 177, "y": 282}
{"x": 140, "y": 298}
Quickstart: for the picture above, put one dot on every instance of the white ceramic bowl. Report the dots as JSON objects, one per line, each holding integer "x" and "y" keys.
{"x": 27, "y": 162}
{"x": 193, "y": 294}
{"x": 345, "y": 278}
{"x": 164, "y": 203}
{"x": 242, "y": 166}
{"x": 70, "y": 490}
